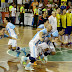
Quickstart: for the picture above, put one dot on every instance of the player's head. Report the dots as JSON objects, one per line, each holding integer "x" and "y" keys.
{"x": 64, "y": 11}
{"x": 6, "y": 20}
{"x": 63, "y": 2}
{"x": 49, "y": 27}
{"x": 46, "y": 22}
{"x": 54, "y": 13}
{"x": 44, "y": 14}
{"x": 2, "y": 30}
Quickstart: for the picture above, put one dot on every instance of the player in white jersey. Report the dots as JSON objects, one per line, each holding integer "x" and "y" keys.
{"x": 12, "y": 44}
{"x": 37, "y": 39}
{"x": 3, "y": 35}
{"x": 42, "y": 26}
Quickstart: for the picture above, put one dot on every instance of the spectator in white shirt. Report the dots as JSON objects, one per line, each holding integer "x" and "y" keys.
{"x": 13, "y": 14}
{"x": 40, "y": 7}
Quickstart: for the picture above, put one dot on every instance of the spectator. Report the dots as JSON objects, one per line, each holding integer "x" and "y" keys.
{"x": 45, "y": 9}
{"x": 27, "y": 4}
{"x": 41, "y": 21}
{"x": 34, "y": 4}
{"x": 69, "y": 5}
{"x": 10, "y": 7}
{"x": 55, "y": 8}
{"x": 53, "y": 21}
{"x": 1, "y": 18}
{"x": 22, "y": 11}
{"x": 49, "y": 5}
{"x": 35, "y": 17}
{"x": 63, "y": 6}
{"x": 3, "y": 5}
{"x": 6, "y": 5}
{"x": 40, "y": 7}
{"x": 13, "y": 14}
{"x": 53, "y": 5}
{"x": 10, "y": 1}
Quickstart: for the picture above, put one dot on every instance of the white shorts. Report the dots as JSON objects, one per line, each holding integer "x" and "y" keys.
{"x": 45, "y": 45}
{"x": 2, "y": 5}
{"x": 52, "y": 47}
{"x": 33, "y": 49}
{"x": 12, "y": 42}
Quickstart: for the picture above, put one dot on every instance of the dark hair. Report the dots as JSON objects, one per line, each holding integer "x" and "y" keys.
{"x": 57, "y": 8}
{"x": 7, "y": 19}
{"x": 45, "y": 20}
{"x": 1, "y": 27}
{"x": 43, "y": 12}
{"x": 37, "y": 6}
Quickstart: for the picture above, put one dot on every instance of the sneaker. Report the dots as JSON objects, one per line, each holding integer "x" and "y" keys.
{"x": 35, "y": 63}
{"x": 22, "y": 61}
{"x": 29, "y": 68}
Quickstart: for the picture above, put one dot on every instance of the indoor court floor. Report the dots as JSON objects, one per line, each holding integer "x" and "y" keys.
{"x": 25, "y": 36}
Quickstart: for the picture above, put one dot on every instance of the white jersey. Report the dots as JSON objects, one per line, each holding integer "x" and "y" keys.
{"x": 10, "y": 28}
{"x": 53, "y": 22}
{"x": 36, "y": 38}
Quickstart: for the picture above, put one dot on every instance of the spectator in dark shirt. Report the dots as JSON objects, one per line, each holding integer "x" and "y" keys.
{"x": 41, "y": 21}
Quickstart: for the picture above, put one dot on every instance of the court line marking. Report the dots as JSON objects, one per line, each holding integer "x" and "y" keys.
{"x": 47, "y": 61}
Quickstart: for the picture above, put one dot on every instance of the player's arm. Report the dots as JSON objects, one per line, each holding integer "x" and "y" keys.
{"x": 11, "y": 38}
{"x": 16, "y": 29}
{"x": 40, "y": 35}
{"x": 6, "y": 36}
{"x": 38, "y": 29}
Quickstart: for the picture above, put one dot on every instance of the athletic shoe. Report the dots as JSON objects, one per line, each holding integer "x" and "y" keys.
{"x": 29, "y": 68}
{"x": 18, "y": 53}
{"x": 35, "y": 63}
{"x": 22, "y": 61}
{"x": 23, "y": 49}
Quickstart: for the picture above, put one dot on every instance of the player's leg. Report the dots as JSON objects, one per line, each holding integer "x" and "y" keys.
{"x": 33, "y": 51}
{"x": 30, "y": 60}
{"x": 10, "y": 44}
{"x": 52, "y": 48}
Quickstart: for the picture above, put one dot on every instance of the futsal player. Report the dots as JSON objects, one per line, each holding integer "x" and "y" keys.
{"x": 38, "y": 38}
{"x": 3, "y": 35}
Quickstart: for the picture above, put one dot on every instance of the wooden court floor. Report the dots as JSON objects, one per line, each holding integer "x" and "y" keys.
{"x": 25, "y": 36}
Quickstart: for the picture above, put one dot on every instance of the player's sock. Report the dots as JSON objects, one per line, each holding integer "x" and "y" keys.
{"x": 66, "y": 38}
{"x": 28, "y": 66}
{"x": 23, "y": 49}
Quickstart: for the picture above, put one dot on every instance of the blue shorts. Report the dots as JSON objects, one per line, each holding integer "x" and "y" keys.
{"x": 68, "y": 30}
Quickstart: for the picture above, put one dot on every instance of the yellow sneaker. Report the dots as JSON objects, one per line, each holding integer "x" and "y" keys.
{"x": 35, "y": 63}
